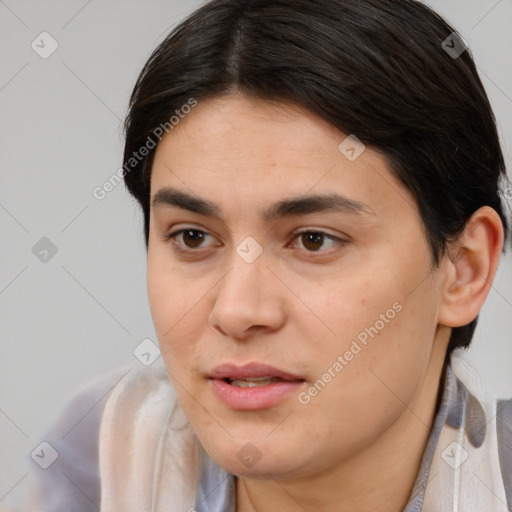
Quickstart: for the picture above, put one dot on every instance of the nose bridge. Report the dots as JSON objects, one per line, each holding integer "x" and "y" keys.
{"x": 248, "y": 294}
{"x": 248, "y": 264}
{"x": 246, "y": 275}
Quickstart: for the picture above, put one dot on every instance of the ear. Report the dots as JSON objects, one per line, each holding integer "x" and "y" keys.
{"x": 470, "y": 265}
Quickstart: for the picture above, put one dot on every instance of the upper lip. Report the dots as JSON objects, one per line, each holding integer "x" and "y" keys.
{"x": 233, "y": 372}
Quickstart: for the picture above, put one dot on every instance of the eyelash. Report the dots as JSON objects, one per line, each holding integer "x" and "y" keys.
{"x": 179, "y": 248}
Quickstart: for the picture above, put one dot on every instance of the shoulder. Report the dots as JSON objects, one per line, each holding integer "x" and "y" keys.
{"x": 488, "y": 427}
{"x": 504, "y": 434}
{"x": 64, "y": 465}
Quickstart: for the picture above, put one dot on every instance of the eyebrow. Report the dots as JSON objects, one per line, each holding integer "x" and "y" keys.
{"x": 290, "y": 207}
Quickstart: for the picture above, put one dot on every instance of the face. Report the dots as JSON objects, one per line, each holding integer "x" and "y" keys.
{"x": 291, "y": 287}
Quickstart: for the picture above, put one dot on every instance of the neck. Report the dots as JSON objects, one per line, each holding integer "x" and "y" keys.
{"x": 379, "y": 478}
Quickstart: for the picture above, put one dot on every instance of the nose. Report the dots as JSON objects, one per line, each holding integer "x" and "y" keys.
{"x": 250, "y": 299}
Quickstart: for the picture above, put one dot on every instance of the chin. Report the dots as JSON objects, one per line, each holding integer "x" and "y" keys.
{"x": 256, "y": 460}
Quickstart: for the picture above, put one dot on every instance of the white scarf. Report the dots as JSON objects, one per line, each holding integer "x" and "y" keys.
{"x": 151, "y": 460}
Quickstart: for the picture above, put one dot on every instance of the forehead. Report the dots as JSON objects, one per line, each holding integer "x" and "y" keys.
{"x": 251, "y": 133}
{"x": 243, "y": 152}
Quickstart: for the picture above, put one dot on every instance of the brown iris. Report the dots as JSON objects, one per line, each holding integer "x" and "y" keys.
{"x": 312, "y": 241}
{"x": 193, "y": 236}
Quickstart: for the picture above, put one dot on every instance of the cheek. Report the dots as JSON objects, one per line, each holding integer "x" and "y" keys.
{"x": 354, "y": 306}
{"x": 384, "y": 357}
{"x": 383, "y": 325}
{"x": 175, "y": 303}
{"x": 372, "y": 386}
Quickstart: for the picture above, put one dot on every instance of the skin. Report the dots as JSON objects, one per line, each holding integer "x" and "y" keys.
{"x": 357, "y": 444}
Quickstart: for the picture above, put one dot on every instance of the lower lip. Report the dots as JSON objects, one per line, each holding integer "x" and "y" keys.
{"x": 257, "y": 397}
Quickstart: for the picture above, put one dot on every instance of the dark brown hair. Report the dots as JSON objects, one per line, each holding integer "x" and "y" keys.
{"x": 392, "y": 72}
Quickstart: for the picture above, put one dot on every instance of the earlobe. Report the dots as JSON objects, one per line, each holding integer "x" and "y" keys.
{"x": 471, "y": 265}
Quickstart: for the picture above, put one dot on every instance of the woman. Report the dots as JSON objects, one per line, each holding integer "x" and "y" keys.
{"x": 320, "y": 187}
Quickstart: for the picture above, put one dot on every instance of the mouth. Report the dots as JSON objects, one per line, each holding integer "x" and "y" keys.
{"x": 253, "y": 386}
{"x": 252, "y": 382}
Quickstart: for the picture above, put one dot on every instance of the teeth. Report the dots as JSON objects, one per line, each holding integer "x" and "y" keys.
{"x": 252, "y": 382}
{"x": 258, "y": 379}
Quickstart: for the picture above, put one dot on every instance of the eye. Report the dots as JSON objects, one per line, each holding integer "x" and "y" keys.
{"x": 191, "y": 239}
{"x": 313, "y": 240}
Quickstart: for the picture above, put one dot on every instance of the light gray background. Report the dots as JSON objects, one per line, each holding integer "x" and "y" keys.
{"x": 85, "y": 310}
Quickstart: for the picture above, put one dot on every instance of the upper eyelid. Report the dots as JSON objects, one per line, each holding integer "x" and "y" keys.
{"x": 295, "y": 233}
{"x": 197, "y": 227}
